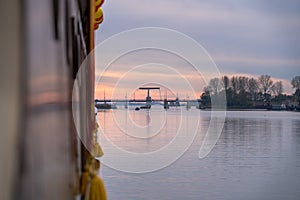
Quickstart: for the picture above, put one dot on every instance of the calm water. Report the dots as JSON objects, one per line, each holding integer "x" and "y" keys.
{"x": 256, "y": 157}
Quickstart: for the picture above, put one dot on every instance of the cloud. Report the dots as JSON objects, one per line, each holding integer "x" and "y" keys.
{"x": 278, "y": 67}
{"x": 117, "y": 82}
{"x": 251, "y": 37}
{"x": 242, "y": 59}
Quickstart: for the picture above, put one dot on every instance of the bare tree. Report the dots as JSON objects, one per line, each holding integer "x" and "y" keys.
{"x": 215, "y": 85}
{"x": 296, "y": 82}
{"x": 265, "y": 83}
{"x": 234, "y": 84}
{"x": 207, "y": 89}
{"x": 252, "y": 87}
{"x": 277, "y": 88}
{"x": 242, "y": 84}
{"x": 225, "y": 82}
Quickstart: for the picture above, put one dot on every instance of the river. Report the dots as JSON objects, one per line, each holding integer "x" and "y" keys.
{"x": 256, "y": 157}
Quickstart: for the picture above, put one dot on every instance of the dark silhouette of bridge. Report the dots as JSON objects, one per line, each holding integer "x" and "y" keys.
{"x": 148, "y": 100}
{"x": 144, "y": 100}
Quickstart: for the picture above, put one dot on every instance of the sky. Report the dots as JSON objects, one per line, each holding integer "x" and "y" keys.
{"x": 243, "y": 37}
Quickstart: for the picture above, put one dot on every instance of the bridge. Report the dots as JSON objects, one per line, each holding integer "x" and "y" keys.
{"x": 148, "y": 100}
{"x": 144, "y": 101}
{"x": 166, "y": 102}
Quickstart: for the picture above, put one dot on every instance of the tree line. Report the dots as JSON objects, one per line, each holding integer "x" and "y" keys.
{"x": 249, "y": 92}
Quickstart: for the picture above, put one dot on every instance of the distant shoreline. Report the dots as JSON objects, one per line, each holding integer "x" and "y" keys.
{"x": 250, "y": 109}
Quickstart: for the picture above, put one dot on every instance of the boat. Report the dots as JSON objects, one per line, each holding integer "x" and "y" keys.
{"x": 145, "y": 107}
{"x": 104, "y": 106}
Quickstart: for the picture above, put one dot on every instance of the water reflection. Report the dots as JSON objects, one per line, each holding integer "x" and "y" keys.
{"x": 256, "y": 157}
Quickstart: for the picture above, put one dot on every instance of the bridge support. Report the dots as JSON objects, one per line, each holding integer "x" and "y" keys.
{"x": 148, "y": 98}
